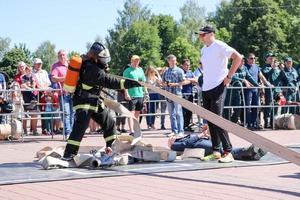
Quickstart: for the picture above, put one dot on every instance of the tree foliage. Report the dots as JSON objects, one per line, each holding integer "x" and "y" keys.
{"x": 167, "y": 31}
{"x": 182, "y": 49}
{"x": 133, "y": 11}
{"x": 192, "y": 18}
{"x": 141, "y": 39}
{"x": 11, "y": 59}
{"x": 46, "y": 52}
{"x": 261, "y": 26}
{"x": 24, "y": 48}
{"x": 4, "y": 46}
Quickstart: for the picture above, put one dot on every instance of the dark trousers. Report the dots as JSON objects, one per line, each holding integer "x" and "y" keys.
{"x": 187, "y": 115}
{"x": 213, "y": 100}
{"x": 193, "y": 141}
{"x": 81, "y": 123}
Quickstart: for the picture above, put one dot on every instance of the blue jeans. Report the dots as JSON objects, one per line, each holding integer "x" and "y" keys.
{"x": 151, "y": 108}
{"x": 251, "y": 98}
{"x": 67, "y": 104}
{"x": 176, "y": 116}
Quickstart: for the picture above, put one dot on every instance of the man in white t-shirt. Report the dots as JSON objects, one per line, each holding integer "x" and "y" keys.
{"x": 216, "y": 76}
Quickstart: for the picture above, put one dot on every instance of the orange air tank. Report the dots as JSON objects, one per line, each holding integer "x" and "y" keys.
{"x": 72, "y": 76}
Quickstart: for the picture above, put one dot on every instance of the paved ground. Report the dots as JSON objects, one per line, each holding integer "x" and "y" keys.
{"x": 259, "y": 182}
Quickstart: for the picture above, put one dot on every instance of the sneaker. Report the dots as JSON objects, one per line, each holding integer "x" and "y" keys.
{"x": 214, "y": 156}
{"x": 181, "y": 134}
{"x": 45, "y": 132}
{"x": 35, "y": 133}
{"x": 67, "y": 158}
{"x": 171, "y": 134}
{"x": 131, "y": 134}
{"x": 226, "y": 158}
{"x": 259, "y": 153}
{"x": 162, "y": 128}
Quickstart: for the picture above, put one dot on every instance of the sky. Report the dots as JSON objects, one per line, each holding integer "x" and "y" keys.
{"x": 70, "y": 24}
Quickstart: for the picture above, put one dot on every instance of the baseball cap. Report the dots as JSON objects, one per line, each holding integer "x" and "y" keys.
{"x": 288, "y": 59}
{"x": 37, "y": 61}
{"x": 270, "y": 54}
{"x": 135, "y": 57}
{"x": 206, "y": 29}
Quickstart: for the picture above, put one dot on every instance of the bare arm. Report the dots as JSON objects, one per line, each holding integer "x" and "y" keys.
{"x": 236, "y": 60}
{"x": 57, "y": 79}
{"x": 263, "y": 79}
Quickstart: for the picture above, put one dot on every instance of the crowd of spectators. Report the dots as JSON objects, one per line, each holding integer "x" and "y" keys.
{"x": 264, "y": 90}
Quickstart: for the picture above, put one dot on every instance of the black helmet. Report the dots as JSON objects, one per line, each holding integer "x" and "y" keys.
{"x": 102, "y": 52}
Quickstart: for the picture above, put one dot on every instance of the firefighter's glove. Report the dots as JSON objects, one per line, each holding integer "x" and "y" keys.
{"x": 131, "y": 84}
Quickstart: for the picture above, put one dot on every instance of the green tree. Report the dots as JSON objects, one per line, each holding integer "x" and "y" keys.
{"x": 73, "y": 53}
{"x": 260, "y": 26}
{"x": 141, "y": 39}
{"x": 192, "y": 18}
{"x": 167, "y": 31}
{"x": 133, "y": 11}
{"x": 11, "y": 59}
{"x": 46, "y": 52}
{"x": 23, "y": 47}
{"x": 4, "y": 46}
{"x": 182, "y": 49}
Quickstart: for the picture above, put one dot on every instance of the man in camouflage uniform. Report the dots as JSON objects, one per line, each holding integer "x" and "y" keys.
{"x": 277, "y": 77}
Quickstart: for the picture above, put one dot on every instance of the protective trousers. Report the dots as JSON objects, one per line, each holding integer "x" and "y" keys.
{"x": 81, "y": 123}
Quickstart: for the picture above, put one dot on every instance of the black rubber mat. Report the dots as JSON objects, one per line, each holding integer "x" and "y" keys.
{"x": 13, "y": 173}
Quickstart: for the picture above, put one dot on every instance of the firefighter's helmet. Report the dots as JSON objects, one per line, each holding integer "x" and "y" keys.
{"x": 102, "y": 53}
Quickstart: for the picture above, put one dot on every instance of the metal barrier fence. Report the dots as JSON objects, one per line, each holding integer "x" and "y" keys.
{"x": 197, "y": 98}
{"x": 272, "y": 102}
{"x": 22, "y": 114}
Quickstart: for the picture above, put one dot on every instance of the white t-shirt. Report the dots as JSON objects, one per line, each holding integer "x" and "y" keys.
{"x": 214, "y": 59}
{"x": 42, "y": 78}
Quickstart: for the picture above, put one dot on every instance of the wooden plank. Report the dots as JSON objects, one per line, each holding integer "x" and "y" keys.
{"x": 231, "y": 127}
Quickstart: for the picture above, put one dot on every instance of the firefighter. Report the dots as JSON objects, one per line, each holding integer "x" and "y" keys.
{"x": 88, "y": 104}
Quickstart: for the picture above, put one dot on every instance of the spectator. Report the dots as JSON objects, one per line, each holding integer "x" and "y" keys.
{"x": 292, "y": 76}
{"x": 252, "y": 95}
{"x": 163, "y": 104}
{"x": 120, "y": 121}
{"x": 43, "y": 82}
{"x": 135, "y": 95}
{"x": 58, "y": 75}
{"x": 215, "y": 55}
{"x": 173, "y": 79}
{"x": 56, "y": 116}
{"x": 49, "y": 103}
{"x": 241, "y": 78}
{"x": 2, "y": 94}
{"x": 187, "y": 93}
{"x": 153, "y": 78}
{"x": 276, "y": 76}
{"x": 42, "y": 77}
{"x": 29, "y": 83}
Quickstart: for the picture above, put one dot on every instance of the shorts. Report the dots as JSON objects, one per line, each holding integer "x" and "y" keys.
{"x": 136, "y": 104}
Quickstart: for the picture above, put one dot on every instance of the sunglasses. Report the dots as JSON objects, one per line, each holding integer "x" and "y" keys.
{"x": 203, "y": 34}
{"x": 252, "y": 58}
